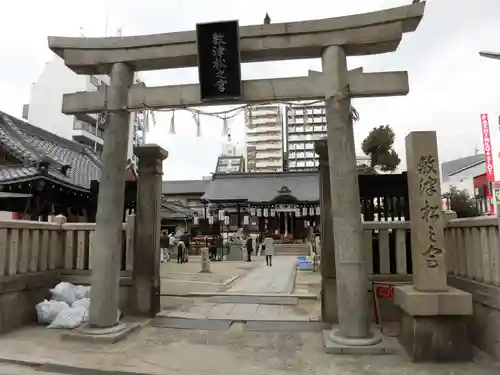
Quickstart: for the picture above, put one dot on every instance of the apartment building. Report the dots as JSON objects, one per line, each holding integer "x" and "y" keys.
{"x": 44, "y": 108}
{"x": 264, "y": 138}
{"x": 304, "y": 125}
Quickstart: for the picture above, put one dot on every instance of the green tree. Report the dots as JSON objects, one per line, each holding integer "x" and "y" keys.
{"x": 378, "y": 145}
{"x": 461, "y": 203}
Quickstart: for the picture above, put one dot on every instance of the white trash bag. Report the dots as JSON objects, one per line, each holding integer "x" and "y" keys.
{"x": 47, "y": 311}
{"x": 64, "y": 292}
{"x": 69, "y": 318}
{"x": 82, "y": 291}
{"x": 84, "y": 302}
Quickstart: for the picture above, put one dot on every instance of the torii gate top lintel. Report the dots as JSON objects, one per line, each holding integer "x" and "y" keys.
{"x": 360, "y": 34}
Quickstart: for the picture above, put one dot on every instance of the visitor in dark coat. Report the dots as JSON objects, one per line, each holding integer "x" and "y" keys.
{"x": 249, "y": 246}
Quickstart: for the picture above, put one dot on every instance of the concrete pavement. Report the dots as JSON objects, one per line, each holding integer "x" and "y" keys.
{"x": 279, "y": 278}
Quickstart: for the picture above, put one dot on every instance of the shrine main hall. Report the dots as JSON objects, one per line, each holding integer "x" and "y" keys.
{"x": 285, "y": 204}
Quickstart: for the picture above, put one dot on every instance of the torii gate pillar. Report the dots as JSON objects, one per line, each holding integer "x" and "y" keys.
{"x": 353, "y": 331}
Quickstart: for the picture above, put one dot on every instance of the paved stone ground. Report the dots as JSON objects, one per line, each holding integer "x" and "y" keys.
{"x": 280, "y": 278}
{"x": 166, "y": 351}
{"x": 194, "y": 352}
{"x": 181, "y": 279}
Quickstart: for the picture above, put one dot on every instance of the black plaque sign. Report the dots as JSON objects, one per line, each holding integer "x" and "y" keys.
{"x": 219, "y": 65}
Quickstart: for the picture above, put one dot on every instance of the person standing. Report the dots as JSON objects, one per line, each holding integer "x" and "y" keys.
{"x": 181, "y": 248}
{"x": 268, "y": 248}
{"x": 186, "y": 238}
{"x": 249, "y": 246}
{"x": 220, "y": 248}
{"x": 212, "y": 249}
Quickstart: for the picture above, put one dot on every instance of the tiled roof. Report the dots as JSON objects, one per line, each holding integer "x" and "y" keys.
{"x": 262, "y": 187}
{"x": 175, "y": 210}
{"x": 32, "y": 145}
{"x": 185, "y": 187}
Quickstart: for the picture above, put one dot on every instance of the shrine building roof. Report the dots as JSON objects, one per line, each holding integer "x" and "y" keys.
{"x": 41, "y": 153}
{"x": 185, "y": 187}
{"x": 263, "y": 187}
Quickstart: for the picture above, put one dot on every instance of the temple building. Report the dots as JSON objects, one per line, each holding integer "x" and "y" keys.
{"x": 42, "y": 174}
{"x": 286, "y": 204}
{"x": 282, "y": 204}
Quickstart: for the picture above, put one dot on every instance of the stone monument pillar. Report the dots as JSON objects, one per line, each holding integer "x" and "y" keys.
{"x": 433, "y": 324}
{"x": 353, "y": 334}
{"x": 205, "y": 260}
{"x": 328, "y": 272}
{"x": 107, "y": 241}
{"x": 145, "y": 293}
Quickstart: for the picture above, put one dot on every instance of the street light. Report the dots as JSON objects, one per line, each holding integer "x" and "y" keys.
{"x": 490, "y": 55}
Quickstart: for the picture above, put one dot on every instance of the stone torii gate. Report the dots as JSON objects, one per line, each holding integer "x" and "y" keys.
{"x": 331, "y": 39}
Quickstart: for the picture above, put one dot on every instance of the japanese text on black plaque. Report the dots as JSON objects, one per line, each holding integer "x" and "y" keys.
{"x": 219, "y": 65}
{"x": 428, "y": 181}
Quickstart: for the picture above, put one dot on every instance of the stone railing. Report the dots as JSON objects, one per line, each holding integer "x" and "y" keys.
{"x": 35, "y": 256}
{"x": 473, "y": 265}
{"x": 386, "y": 245}
{"x": 473, "y": 249}
{"x": 31, "y": 246}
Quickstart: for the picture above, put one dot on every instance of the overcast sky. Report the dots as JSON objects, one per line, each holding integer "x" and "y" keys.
{"x": 450, "y": 85}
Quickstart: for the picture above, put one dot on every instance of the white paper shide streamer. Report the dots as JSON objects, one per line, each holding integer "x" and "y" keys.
{"x": 172, "y": 123}
{"x": 225, "y": 126}
{"x": 196, "y": 118}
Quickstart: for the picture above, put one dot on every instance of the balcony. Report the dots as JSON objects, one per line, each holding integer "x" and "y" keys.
{"x": 268, "y": 155}
{"x": 264, "y": 130}
{"x": 263, "y": 137}
{"x": 84, "y": 132}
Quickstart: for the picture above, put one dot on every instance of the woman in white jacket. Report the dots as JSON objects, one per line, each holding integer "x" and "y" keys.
{"x": 268, "y": 247}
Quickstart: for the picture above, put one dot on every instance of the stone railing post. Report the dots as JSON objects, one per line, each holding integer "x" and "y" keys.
{"x": 61, "y": 238}
{"x": 450, "y": 250}
{"x": 449, "y": 215}
{"x": 145, "y": 294}
{"x": 328, "y": 271}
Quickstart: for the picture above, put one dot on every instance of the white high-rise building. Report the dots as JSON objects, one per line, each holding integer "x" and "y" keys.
{"x": 44, "y": 108}
{"x": 304, "y": 125}
{"x": 264, "y": 138}
{"x": 230, "y": 160}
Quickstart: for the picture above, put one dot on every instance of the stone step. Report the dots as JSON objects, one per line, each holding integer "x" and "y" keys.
{"x": 271, "y": 325}
{"x": 264, "y": 300}
{"x": 300, "y": 295}
{"x": 291, "y": 249}
{"x": 291, "y": 254}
